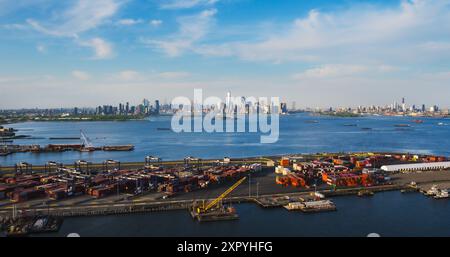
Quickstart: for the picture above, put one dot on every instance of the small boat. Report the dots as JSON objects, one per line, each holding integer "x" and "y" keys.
{"x": 442, "y": 194}
{"x": 87, "y": 149}
{"x": 418, "y": 121}
{"x": 434, "y": 190}
{"x": 412, "y": 187}
{"x": 363, "y": 193}
{"x": 402, "y": 125}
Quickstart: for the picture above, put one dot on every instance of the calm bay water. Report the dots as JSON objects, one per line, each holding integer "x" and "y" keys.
{"x": 389, "y": 214}
{"x": 296, "y": 136}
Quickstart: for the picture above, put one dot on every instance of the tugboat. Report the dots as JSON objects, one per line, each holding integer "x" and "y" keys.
{"x": 412, "y": 187}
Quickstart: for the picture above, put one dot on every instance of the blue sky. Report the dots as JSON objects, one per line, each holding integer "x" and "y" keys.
{"x": 316, "y": 53}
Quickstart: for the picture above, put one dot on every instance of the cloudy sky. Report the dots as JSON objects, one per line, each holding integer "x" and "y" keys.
{"x": 317, "y": 53}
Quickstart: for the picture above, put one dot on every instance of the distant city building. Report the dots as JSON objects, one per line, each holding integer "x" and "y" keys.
{"x": 157, "y": 107}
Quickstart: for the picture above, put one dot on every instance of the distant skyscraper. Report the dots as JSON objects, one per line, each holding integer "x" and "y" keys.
{"x": 146, "y": 102}
{"x": 228, "y": 103}
{"x": 284, "y": 108}
{"x": 157, "y": 107}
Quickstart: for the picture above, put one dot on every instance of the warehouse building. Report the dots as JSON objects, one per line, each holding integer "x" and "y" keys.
{"x": 416, "y": 167}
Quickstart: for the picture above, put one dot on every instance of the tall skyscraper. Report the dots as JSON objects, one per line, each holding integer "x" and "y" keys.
{"x": 146, "y": 102}
{"x": 157, "y": 106}
{"x": 228, "y": 107}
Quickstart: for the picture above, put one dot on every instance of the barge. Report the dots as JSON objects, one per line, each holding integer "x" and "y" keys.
{"x": 32, "y": 225}
{"x": 312, "y": 206}
{"x": 221, "y": 214}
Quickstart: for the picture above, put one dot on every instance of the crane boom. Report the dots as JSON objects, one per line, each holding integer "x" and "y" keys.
{"x": 85, "y": 140}
{"x": 218, "y": 199}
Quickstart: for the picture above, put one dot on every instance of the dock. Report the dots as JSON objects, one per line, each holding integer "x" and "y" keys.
{"x": 51, "y": 148}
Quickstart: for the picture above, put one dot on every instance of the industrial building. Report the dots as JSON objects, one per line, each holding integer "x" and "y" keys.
{"x": 417, "y": 167}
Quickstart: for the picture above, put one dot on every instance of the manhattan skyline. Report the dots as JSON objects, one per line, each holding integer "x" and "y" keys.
{"x": 316, "y": 53}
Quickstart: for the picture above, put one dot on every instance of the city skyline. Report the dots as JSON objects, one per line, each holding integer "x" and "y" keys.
{"x": 316, "y": 54}
{"x": 227, "y": 105}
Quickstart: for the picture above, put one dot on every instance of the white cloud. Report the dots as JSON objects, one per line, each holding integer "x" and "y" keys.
{"x": 436, "y": 46}
{"x": 128, "y": 75}
{"x": 361, "y": 34}
{"x": 389, "y": 68}
{"x": 102, "y": 49}
{"x": 14, "y": 26}
{"x": 41, "y": 48}
{"x": 330, "y": 71}
{"x": 174, "y": 74}
{"x": 81, "y": 75}
{"x": 191, "y": 30}
{"x": 185, "y": 4}
{"x": 82, "y": 16}
{"x": 156, "y": 23}
{"x": 129, "y": 22}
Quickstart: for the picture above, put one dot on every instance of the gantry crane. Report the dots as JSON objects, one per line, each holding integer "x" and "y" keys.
{"x": 205, "y": 208}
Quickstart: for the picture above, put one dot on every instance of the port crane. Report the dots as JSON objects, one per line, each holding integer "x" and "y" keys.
{"x": 85, "y": 142}
{"x": 215, "y": 202}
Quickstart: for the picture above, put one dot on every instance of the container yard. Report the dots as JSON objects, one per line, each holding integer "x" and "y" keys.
{"x": 351, "y": 170}
{"x": 297, "y": 182}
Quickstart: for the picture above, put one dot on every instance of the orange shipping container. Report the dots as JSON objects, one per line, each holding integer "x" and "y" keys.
{"x": 284, "y": 162}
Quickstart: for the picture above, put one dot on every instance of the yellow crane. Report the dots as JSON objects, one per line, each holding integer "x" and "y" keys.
{"x": 214, "y": 202}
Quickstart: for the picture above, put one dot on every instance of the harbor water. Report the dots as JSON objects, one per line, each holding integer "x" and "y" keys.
{"x": 388, "y": 214}
{"x": 299, "y": 133}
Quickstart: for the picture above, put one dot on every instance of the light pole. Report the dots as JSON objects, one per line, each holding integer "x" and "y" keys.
{"x": 257, "y": 190}
{"x": 249, "y": 185}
